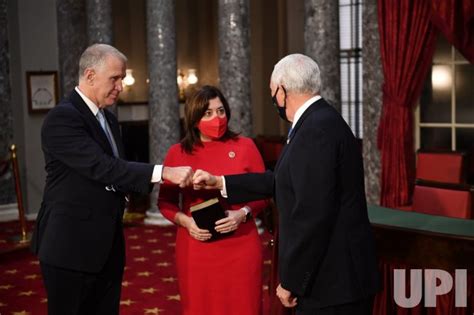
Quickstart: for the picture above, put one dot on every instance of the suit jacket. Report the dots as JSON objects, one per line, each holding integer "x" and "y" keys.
{"x": 79, "y": 216}
{"x": 326, "y": 245}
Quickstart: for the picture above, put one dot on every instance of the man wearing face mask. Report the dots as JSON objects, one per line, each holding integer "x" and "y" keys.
{"x": 327, "y": 262}
{"x": 221, "y": 276}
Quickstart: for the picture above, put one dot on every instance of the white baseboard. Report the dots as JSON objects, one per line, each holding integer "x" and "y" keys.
{"x": 9, "y": 212}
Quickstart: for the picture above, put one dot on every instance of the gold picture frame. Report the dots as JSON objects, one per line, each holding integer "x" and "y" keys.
{"x": 42, "y": 90}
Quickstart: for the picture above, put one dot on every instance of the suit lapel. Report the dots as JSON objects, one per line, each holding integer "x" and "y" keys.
{"x": 315, "y": 106}
{"x": 97, "y": 131}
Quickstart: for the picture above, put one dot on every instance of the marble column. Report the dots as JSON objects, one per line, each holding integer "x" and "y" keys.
{"x": 99, "y": 26}
{"x": 163, "y": 92}
{"x": 7, "y": 193}
{"x": 234, "y": 62}
{"x": 321, "y": 37}
{"x": 72, "y": 40}
{"x": 99, "y": 21}
{"x": 372, "y": 95}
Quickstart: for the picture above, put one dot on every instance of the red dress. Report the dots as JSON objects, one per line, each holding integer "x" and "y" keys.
{"x": 224, "y": 276}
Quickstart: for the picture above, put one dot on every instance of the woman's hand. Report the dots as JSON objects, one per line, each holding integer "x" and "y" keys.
{"x": 231, "y": 222}
{"x": 193, "y": 230}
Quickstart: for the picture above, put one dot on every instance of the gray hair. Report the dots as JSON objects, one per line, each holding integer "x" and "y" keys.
{"x": 94, "y": 57}
{"x": 297, "y": 73}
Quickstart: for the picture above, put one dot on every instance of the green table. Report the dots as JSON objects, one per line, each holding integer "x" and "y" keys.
{"x": 421, "y": 222}
{"x": 422, "y": 240}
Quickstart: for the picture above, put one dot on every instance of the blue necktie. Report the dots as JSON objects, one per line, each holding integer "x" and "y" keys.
{"x": 290, "y": 131}
{"x": 105, "y": 127}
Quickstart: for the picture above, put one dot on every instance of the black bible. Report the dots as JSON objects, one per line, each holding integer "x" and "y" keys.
{"x": 206, "y": 213}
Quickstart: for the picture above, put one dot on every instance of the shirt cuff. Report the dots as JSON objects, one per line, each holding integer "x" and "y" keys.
{"x": 156, "y": 176}
{"x": 223, "y": 190}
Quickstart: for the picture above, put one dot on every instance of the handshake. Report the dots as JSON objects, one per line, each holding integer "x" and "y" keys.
{"x": 184, "y": 176}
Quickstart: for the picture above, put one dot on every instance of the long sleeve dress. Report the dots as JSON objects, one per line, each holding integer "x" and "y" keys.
{"x": 222, "y": 276}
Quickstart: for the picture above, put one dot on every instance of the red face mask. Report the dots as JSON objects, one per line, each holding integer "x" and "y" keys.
{"x": 214, "y": 128}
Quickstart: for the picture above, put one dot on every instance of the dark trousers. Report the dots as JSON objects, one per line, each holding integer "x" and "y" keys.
{"x": 361, "y": 307}
{"x": 78, "y": 293}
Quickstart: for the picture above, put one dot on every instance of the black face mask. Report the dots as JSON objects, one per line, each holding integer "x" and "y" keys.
{"x": 281, "y": 110}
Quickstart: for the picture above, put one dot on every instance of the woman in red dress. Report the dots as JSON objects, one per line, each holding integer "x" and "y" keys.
{"x": 221, "y": 277}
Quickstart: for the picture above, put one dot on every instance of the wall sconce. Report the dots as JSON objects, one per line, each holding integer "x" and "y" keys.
{"x": 184, "y": 81}
{"x": 441, "y": 77}
{"x": 129, "y": 80}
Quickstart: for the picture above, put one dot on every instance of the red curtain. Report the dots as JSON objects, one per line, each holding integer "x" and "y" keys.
{"x": 455, "y": 19}
{"x": 407, "y": 40}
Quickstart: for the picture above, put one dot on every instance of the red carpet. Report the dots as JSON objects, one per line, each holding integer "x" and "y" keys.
{"x": 149, "y": 285}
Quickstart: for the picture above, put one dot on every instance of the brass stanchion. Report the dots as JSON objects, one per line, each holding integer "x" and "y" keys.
{"x": 130, "y": 216}
{"x": 24, "y": 237}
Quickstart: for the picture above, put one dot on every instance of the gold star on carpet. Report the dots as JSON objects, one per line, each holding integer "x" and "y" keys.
{"x": 3, "y": 304}
{"x": 169, "y": 279}
{"x": 149, "y": 290}
{"x": 265, "y": 287}
{"x": 157, "y": 251}
{"x": 26, "y": 293}
{"x": 3, "y": 241}
{"x": 173, "y": 297}
{"x": 133, "y": 237}
{"x": 140, "y": 259}
{"x": 11, "y": 271}
{"x": 149, "y": 231}
{"x": 44, "y": 300}
{"x": 136, "y": 247}
{"x": 127, "y": 302}
{"x": 155, "y": 310}
{"x": 171, "y": 244}
{"x": 144, "y": 274}
{"x": 21, "y": 313}
{"x": 126, "y": 283}
{"x": 163, "y": 264}
{"x": 32, "y": 277}
{"x": 168, "y": 234}
{"x": 6, "y": 286}
{"x": 34, "y": 262}
{"x": 267, "y": 262}
{"x": 152, "y": 240}
{"x": 126, "y": 268}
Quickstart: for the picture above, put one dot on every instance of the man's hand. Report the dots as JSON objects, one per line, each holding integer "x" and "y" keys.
{"x": 205, "y": 180}
{"x": 285, "y": 296}
{"x": 181, "y": 175}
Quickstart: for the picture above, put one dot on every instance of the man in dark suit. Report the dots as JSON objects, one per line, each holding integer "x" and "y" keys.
{"x": 327, "y": 262}
{"x": 78, "y": 236}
